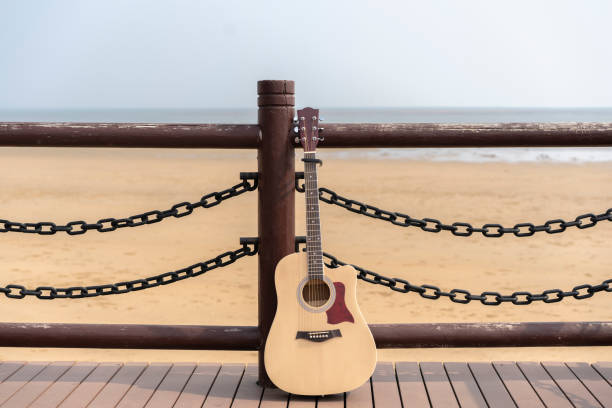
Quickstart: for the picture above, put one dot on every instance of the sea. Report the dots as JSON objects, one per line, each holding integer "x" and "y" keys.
{"x": 369, "y": 115}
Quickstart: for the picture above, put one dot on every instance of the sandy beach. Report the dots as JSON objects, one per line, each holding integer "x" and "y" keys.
{"x": 62, "y": 185}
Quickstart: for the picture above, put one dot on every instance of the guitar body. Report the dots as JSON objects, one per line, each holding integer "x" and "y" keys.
{"x": 336, "y": 352}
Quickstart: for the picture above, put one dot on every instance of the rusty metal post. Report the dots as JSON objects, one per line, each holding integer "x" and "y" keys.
{"x": 276, "y": 204}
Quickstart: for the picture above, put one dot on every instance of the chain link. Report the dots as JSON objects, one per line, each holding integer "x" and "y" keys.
{"x": 150, "y": 217}
{"x": 460, "y": 229}
{"x": 464, "y": 296}
{"x": 13, "y": 291}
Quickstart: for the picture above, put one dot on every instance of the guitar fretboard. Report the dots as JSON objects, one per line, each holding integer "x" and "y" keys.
{"x": 313, "y": 224}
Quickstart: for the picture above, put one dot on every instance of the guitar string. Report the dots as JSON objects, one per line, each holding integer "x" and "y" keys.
{"x": 319, "y": 278}
{"x": 312, "y": 287}
{"x": 308, "y": 169}
{"x": 313, "y": 284}
{"x": 308, "y": 250}
{"x": 312, "y": 270}
{"x": 308, "y": 259}
{"x": 318, "y": 293}
{"x": 309, "y": 233}
{"x": 308, "y": 270}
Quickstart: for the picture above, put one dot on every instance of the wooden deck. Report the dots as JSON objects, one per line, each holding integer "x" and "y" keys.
{"x": 407, "y": 384}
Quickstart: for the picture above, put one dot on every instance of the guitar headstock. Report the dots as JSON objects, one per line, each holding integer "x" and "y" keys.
{"x": 308, "y": 129}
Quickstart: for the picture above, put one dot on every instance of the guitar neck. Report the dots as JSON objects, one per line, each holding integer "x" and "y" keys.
{"x": 313, "y": 223}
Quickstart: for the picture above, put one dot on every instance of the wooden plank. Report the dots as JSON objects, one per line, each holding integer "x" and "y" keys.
{"x": 546, "y": 388}
{"x": 466, "y": 390}
{"x": 19, "y": 378}
{"x": 170, "y": 388}
{"x": 360, "y": 397}
{"x": 411, "y": 386}
{"x": 145, "y": 386}
{"x": 58, "y": 391}
{"x": 274, "y": 398}
{"x": 37, "y": 385}
{"x": 385, "y": 391}
{"x": 116, "y": 388}
{"x": 594, "y": 382}
{"x": 223, "y": 389}
{"x": 492, "y": 388}
{"x": 604, "y": 368}
{"x": 89, "y": 388}
{"x": 249, "y": 392}
{"x": 573, "y": 389}
{"x": 43, "y": 385}
{"x": 331, "y": 401}
{"x": 438, "y": 386}
{"x": 8, "y": 368}
{"x": 198, "y": 386}
{"x": 517, "y": 385}
{"x": 302, "y": 401}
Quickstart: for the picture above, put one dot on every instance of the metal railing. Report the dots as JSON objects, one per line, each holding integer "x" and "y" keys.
{"x": 276, "y": 220}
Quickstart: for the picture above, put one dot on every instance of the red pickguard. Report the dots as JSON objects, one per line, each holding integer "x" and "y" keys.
{"x": 338, "y": 312}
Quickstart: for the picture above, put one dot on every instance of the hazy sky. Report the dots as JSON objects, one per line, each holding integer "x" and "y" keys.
{"x": 204, "y": 54}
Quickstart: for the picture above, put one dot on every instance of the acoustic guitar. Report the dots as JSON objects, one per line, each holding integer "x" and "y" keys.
{"x": 319, "y": 342}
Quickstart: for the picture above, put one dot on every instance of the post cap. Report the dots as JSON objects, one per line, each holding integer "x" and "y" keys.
{"x": 275, "y": 93}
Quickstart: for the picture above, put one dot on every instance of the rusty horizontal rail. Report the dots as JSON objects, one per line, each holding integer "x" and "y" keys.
{"x": 128, "y": 135}
{"x": 523, "y": 334}
{"x": 466, "y": 135}
{"x": 129, "y": 336}
{"x": 420, "y": 335}
{"x": 361, "y": 135}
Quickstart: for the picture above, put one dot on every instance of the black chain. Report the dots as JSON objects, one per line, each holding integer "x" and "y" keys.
{"x": 460, "y": 229}
{"x": 150, "y": 217}
{"x": 464, "y": 296}
{"x": 76, "y": 292}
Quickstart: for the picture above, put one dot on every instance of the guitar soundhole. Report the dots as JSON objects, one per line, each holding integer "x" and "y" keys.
{"x": 316, "y": 292}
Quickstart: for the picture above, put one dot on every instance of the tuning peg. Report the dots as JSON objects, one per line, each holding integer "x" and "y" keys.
{"x": 321, "y": 129}
{"x": 321, "y": 139}
{"x": 297, "y": 140}
{"x": 296, "y": 130}
{"x": 295, "y": 120}
{"x": 321, "y": 119}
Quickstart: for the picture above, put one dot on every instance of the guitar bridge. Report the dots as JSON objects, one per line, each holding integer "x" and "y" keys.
{"x": 318, "y": 336}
